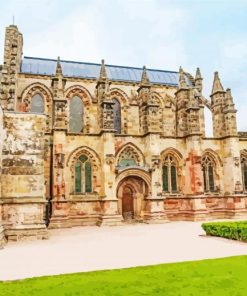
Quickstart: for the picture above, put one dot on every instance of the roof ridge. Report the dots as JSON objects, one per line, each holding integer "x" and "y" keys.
{"x": 96, "y": 64}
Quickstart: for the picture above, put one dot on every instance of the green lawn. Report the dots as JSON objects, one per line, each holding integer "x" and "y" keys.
{"x": 226, "y": 276}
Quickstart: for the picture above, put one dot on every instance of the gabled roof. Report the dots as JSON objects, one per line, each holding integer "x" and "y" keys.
{"x": 42, "y": 66}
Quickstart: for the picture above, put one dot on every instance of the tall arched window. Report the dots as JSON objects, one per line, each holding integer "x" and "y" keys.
{"x": 83, "y": 175}
{"x": 208, "y": 173}
{"x": 117, "y": 116}
{"x": 37, "y": 104}
{"x": 244, "y": 171}
{"x": 76, "y": 110}
{"x": 169, "y": 174}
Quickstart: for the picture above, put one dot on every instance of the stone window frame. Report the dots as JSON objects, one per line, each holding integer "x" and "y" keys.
{"x": 95, "y": 170}
{"x": 208, "y": 167}
{"x": 169, "y": 162}
{"x": 24, "y": 102}
{"x": 138, "y": 156}
{"x": 178, "y": 163}
{"x": 87, "y": 99}
{"x": 85, "y": 187}
{"x": 123, "y": 99}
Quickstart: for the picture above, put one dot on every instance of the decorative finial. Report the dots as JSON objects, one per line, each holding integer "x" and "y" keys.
{"x": 59, "y": 67}
{"x": 144, "y": 79}
{"x": 198, "y": 74}
{"x": 103, "y": 74}
{"x": 182, "y": 81}
{"x": 217, "y": 86}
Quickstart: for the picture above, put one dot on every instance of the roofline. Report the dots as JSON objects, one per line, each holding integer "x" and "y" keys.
{"x": 95, "y": 64}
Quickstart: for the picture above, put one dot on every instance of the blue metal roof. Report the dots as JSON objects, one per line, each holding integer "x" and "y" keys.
{"x": 41, "y": 66}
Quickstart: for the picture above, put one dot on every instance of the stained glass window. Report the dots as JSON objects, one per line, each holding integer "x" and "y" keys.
{"x": 117, "y": 116}
{"x": 208, "y": 173}
{"x": 76, "y": 111}
{"x": 170, "y": 174}
{"x": 37, "y": 104}
{"x": 83, "y": 175}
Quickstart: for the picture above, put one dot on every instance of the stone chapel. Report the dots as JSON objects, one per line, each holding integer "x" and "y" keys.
{"x": 97, "y": 144}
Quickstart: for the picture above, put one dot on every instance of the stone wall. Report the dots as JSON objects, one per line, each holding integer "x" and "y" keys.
{"x": 23, "y": 184}
{"x": 2, "y": 237}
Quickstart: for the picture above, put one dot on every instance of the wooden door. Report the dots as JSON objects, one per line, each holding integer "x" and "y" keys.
{"x": 128, "y": 207}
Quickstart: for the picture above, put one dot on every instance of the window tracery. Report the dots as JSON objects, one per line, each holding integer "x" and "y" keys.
{"x": 169, "y": 174}
{"x": 208, "y": 168}
{"x": 129, "y": 157}
{"x": 83, "y": 175}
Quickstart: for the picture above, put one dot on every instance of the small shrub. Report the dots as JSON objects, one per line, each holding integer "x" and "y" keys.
{"x": 231, "y": 230}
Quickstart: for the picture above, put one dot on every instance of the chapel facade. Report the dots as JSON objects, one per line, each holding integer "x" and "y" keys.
{"x": 95, "y": 144}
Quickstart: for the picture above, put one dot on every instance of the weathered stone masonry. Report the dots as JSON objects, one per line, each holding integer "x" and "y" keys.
{"x": 95, "y": 144}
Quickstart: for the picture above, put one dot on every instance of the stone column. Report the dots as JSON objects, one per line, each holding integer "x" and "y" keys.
{"x": 154, "y": 204}
{"x": 23, "y": 193}
{"x": 110, "y": 214}
{"x": 193, "y": 188}
{"x": 232, "y": 179}
{"x": 2, "y": 236}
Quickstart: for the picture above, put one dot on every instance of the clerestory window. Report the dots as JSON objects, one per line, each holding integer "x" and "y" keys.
{"x": 37, "y": 104}
{"x": 117, "y": 116}
{"x": 76, "y": 110}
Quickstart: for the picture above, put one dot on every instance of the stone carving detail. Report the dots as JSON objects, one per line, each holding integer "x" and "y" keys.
{"x": 110, "y": 159}
{"x": 60, "y": 115}
{"x": 130, "y": 156}
{"x": 108, "y": 116}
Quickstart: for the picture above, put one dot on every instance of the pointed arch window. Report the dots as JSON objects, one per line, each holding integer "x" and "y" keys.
{"x": 169, "y": 174}
{"x": 208, "y": 174}
{"x": 37, "y": 104}
{"x": 244, "y": 171}
{"x": 83, "y": 175}
{"x": 129, "y": 157}
{"x": 76, "y": 112}
{"x": 117, "y": 116}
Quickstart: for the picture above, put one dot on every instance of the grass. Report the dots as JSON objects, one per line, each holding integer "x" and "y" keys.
{"x": 225, "y": 276}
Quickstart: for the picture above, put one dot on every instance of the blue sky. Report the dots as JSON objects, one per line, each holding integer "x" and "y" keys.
{"x": 161, "y": 34}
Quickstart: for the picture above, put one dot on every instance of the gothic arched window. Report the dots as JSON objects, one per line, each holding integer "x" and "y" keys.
{"x": 244, "y": 171}
{"x": 83, "y": 175}
{"x": 117, "y": 116}
{"x": 37, "y": 104}
{"x": 169, "y": 174}
{"x": 208, "y": 173}
{"x": 129, "y": 157}
{"x": 76, "y": 110}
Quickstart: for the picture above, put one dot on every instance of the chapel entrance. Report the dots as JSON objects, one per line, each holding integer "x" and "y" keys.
{"x": 127, "y": 203}
{"x": 131, "y": 194}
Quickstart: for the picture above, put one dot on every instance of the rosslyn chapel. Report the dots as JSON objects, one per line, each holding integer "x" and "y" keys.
{"x": 97, "y": 144}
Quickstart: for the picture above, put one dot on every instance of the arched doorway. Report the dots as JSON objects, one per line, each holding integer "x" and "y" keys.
{"x": 132, "y": 192}
{"x": 127, "y": 203}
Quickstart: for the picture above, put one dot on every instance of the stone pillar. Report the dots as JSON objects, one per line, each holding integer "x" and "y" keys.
{"x": 110, "y": 214}
{"x": 2, "y": 236}
{"x": 154, "y": 204}
{"x": 12, "y": 61}
{"x": 193, "y": 187}
{"x": 23, "y": 193}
